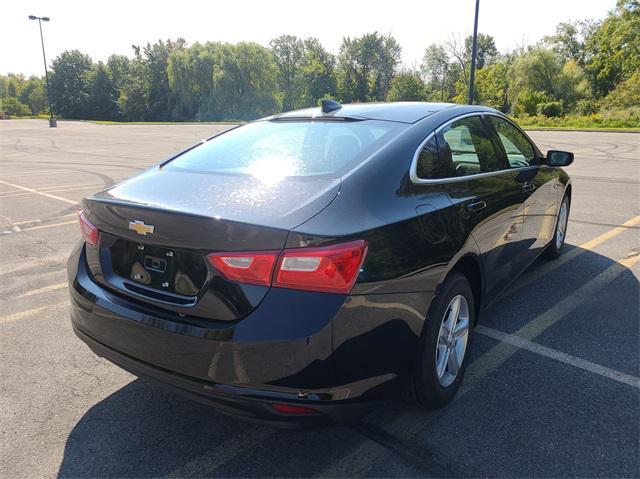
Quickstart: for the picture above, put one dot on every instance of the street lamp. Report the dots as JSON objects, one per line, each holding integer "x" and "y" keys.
{"x": 474, "y": 50}
{"x": 52, "y": 121}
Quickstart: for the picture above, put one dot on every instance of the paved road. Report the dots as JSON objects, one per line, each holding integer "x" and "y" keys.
{"x": 552, "y": 389}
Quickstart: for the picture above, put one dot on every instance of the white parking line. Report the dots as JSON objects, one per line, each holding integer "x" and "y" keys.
{"x": 16, "y": 229}
{"x": 500, "y": 353}
{"x": 57, "y": 189}
{"x": 44, "y": 289}
{"x": 537, "y": 273}
{"x": 574, "y": 361}
{"x": 18, "y": 223}
{"x": 30, "y": 312}
{"x": 410, "y": 422}
{"x": 41, "y": 193}
{"x": 34, "y": 173}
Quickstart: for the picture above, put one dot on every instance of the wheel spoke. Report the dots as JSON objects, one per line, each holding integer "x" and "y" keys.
{"x": 443, "y": 359}
{"x": 452, "y": 361}
{"x": 443, "y": 339}
{"x": 454, "y": 312}
{"x": 461, "y": 329}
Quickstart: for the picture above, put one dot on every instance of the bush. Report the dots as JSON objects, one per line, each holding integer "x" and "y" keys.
{"x": 586, "y": 107}
{"x": 626, "y": 94}
{"x": 12, "y": 107}
{"x": 528, "y": 100}
{"x": 627, "y": 118}
{"x": 550, "y": 109}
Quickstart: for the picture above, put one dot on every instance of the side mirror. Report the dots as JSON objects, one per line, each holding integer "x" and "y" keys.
{"x": 559, "y": 158}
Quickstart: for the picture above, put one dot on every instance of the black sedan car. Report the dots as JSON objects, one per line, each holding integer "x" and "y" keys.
{"x": 304, "y": 266}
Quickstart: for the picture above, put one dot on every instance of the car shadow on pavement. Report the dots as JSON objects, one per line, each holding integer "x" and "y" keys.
{"x": 143, "y": 431}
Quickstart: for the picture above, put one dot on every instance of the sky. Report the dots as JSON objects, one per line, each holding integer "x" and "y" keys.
{"x": 100, "y": 28}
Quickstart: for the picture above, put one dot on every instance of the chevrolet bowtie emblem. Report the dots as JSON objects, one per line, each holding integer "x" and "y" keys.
{"x": 141, "y": 228}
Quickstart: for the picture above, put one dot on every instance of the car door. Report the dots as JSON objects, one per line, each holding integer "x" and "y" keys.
{"x": 538, "y": 185}
{"x": 489, "y": 202}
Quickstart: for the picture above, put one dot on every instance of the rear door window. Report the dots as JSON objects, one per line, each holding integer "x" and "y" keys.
{"x": 466, "y": 147}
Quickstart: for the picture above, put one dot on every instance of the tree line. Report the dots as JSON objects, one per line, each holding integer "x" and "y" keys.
{"x": 584, "y": 68}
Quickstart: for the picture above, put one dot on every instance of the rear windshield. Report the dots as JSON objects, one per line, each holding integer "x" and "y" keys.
{"x": 270, "y": 150}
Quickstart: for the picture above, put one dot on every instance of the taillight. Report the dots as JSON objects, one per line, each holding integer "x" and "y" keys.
{"x": 330, "y": 269}
{"x": 251, "y": 268}
{"x": 89, "y": 232}
{"x": 293, "y": 409}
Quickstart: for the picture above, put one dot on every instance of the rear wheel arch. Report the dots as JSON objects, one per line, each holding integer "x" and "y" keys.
{"x": 471, "y": 268}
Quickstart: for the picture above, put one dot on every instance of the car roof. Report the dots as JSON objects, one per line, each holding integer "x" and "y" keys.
{"x": 404, "y": 112}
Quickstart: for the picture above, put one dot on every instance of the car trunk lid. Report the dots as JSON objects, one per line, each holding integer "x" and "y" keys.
{"x": 157, "y": 228}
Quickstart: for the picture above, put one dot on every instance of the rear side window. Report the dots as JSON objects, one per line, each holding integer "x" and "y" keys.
{"x": 518, "y": 149}
{"x": 269, "y": 150}
{"x": 429, "y": 165}
{"x": 462, "y": 148}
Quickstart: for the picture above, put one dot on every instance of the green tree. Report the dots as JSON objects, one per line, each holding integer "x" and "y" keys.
{"x": 366, "y": 66}
{"x": 34, "y": 95}
{"x": 625, "y": 95}
{"x": 69, "y": 84}
{"x": 13, "y": 107}
{"x": 118, "y": 66}
{"x": 181, "y": 73}
{"x": 318, "y": 72}
{"x": 289, "y": 55}
{"x": 156, "y": 58}
{"x": 571, "y": 85}
{"x": 568, "y": 41}
{"x": 245, "y": 84}
{"x": 527, "y": 101}
{"x": 134, "y": 96}
{"x": 492, "y": 86}
{"x": 435, "y": 68}
{"x": 613, "y": 48}
{"x": 103, "y": 94}
{"x": 486, "y": 51}
{"x": 190, "y": 73}
{"x": 406, "y": 86}
{"x": 534, "y": 75}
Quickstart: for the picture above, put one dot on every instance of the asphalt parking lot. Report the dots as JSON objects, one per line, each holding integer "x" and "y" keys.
{"x": 552, "y": 390}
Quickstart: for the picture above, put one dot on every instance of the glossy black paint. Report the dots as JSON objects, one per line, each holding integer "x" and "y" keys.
{"x": 242, "y": 346}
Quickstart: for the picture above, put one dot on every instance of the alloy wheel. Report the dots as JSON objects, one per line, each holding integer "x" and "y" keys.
{"x": 562, "y": 224}
{"x": 452, "y": 340}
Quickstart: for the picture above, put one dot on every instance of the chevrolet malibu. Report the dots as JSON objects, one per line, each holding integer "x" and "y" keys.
{"x": 303, "y": 267}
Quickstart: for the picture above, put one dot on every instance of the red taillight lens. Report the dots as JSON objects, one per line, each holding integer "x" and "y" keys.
{"x": 331, "y": 269}
{"x": 252, "y": 268}
{"x": 293, "y": 409}
{"x": 89, "y": 232}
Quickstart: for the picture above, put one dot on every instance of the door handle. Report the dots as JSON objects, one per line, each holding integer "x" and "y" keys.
{"x": 477, "y": 206}
{"x": 528, "y": 187}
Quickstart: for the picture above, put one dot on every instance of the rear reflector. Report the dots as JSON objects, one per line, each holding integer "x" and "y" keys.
{"x": 251, "y": 268}
{"x": 330, "y": 269}
{"x": 293, "y": 409}
{"x": 89, "y": 232}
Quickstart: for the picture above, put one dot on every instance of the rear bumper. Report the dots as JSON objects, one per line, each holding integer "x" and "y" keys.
{"x": 247, "y": 403}
{"x": 335, "y": 354}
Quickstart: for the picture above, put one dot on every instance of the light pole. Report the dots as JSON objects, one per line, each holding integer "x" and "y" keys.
{"x": 473, "y": 54}
{"x": 52, "y": 121}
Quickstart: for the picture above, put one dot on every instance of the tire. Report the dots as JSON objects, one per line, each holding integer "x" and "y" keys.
{"x": 431, "y": 385}
{"x": 554, "y": 249}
